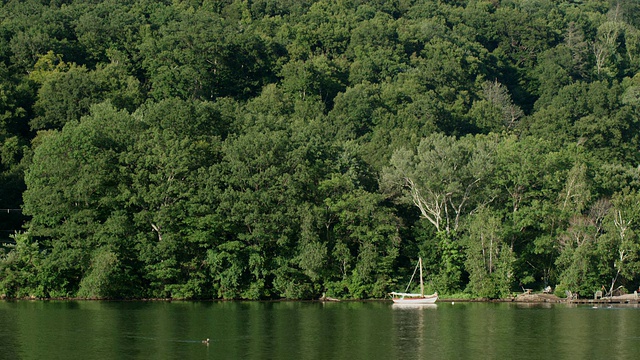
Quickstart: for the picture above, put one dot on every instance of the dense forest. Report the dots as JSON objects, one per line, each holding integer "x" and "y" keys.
{"x": 264, "y": 149}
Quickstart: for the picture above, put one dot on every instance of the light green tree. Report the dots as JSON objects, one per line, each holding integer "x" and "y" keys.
{"x": 489, "y": 257}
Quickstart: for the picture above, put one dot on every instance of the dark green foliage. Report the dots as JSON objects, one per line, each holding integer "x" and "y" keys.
{"x": 20, "y": 268}
{"x": 289, "y": 149}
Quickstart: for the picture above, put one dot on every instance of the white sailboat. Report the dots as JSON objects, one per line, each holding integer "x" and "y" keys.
{"x": 414, "y": 299}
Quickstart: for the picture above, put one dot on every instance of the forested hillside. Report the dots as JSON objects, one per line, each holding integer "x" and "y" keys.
{"x": 260, "y": 149}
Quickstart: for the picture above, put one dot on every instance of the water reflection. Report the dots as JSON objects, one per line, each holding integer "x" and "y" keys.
{"x": 541, "y": 305}
{"x": 414, "y": 330}
{"x": 298, "y": 330}
{"x": 413, "y": 306}
{"x": 9, "y": 332}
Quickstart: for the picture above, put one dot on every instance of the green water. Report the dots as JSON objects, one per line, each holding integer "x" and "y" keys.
{"x": 307, "y": 330}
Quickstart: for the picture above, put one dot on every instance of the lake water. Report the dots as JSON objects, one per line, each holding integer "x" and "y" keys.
{"x": 309, "y": 330}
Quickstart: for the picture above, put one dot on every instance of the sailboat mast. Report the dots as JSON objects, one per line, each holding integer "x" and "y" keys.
{"x": 421, "y": 283}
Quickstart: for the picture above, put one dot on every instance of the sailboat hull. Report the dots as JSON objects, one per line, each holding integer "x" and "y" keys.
{"x": 427, "y": 299}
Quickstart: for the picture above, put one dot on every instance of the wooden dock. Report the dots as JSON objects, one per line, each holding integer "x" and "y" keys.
{"x": 622, "y": 299}
{"x": 551, "y": 298}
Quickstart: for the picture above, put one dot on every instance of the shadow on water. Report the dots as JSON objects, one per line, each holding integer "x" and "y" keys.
{"x": 10, "y": 345}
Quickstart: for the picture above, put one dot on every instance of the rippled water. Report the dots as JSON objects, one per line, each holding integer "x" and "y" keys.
{"x": 310, "y": 330}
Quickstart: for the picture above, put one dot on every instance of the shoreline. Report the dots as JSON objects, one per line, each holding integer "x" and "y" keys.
{"x": 521, "y": 298}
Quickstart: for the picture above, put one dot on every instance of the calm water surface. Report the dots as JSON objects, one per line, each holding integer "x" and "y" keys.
{"x": 306, "y": 330}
